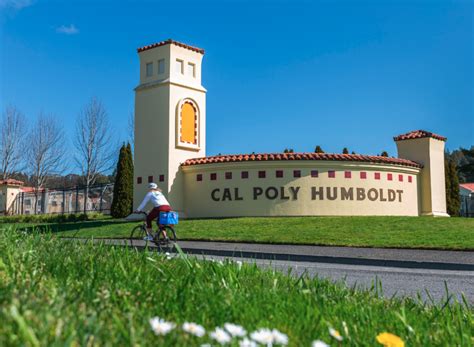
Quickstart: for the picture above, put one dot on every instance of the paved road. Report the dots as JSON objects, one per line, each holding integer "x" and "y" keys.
{"x": 395, "y": 281}
{"x": 401, "y": 272}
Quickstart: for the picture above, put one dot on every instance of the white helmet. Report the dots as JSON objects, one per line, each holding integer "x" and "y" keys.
{"x": 152, "y": 186}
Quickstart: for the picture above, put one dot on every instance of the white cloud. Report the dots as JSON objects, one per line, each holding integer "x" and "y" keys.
{"x": 67, "y": 29}
{"x": 16, "y": 4}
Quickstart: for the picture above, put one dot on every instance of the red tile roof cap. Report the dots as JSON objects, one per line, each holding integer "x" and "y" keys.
{"x": 418, "y": 134}
{"x": 169, "y": 42}
{"x": 11, "y": 182}
{"x": 300, "y": 156}
{"x": 468, "y": 186}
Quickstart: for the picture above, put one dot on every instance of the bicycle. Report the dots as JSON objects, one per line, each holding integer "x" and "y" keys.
{"x": 165, "y": 238}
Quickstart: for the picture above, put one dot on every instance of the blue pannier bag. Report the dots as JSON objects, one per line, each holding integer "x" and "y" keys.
{"x": 168, "y": 218}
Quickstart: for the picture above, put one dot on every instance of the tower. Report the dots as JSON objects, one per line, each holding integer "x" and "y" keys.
{"x": 170, "y": 118}
{"x": 427, "y": 149}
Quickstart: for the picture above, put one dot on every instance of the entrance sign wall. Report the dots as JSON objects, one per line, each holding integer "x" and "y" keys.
{"x": 170, "y": 149}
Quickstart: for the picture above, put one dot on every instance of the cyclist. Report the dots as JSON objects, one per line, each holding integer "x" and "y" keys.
{"x": 159, "y": 202}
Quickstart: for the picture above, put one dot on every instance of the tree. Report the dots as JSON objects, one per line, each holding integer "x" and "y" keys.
{"x": 466, "y": 169}
{"x": 453, "y": 199}
{"x": 12, "y": 136}
{"x": 45, "y": 152}
{"x": 122, "y": 202}
{"x": 345, "y": 150}
{"x": 318, "y": 149}
{"x": 288, "y": 150}
{"x": 384, "y": 154}
{"x": 92, "y": 142}
{"x": 131, "y": 130}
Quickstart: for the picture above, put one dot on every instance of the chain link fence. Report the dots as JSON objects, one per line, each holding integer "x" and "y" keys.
{"x": 65, "y": 201}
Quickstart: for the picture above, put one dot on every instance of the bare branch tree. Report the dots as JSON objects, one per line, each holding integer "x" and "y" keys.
{"x": 93, "y": 143}
{"x": 12, "y": 131}
{"x": 131, "y": 129}
{"x": 45, "y": 152}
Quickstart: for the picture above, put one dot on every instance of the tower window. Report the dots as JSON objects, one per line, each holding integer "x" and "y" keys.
{"x": 179, "y": 66}
{"x": 191, "y": 70}
{"x": 188, "y": 123}
{"x": 150, "y": 179}
{"x": 161, "y": 66}
{"x": 149, "y": 69}
{"x": 314, "y": 173}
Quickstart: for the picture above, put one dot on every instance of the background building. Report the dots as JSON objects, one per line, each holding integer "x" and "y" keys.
{"x": 466, "y": 190}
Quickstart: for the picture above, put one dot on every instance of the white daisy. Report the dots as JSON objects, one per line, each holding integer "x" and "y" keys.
{"x": 247, "y": 343}
{"x": 194, "y": 329}
{"x": 160, "y": 326}
{"x": 263, "y": 336}
{"x": 336, "y": 334}
{"x": 319, "y": 343}
{"x": 279, "y": 338}
{"x": 235, "y": 330}
{"x": 221, "y": 336}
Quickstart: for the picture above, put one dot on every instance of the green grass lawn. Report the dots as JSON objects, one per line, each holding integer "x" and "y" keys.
{"x": 56, "y": 293}
{"x": 406, "y": 232}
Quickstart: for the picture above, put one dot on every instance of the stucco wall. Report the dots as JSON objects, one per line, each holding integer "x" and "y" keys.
{"x": 300, "y": 196}
{"x": 430, "y": 153}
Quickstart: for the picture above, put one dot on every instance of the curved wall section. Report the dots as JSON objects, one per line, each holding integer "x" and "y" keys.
{"x": 300, "y": 188}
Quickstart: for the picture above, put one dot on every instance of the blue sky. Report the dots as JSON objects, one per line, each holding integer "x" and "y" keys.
{"x": 279, "y": 74}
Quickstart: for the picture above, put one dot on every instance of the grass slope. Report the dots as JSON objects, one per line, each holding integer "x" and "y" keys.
{"x": 406, "y": 232}
{"x": 55, "y": 293}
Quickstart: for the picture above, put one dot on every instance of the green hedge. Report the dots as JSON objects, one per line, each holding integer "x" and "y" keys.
{"x": 52, "y": 218}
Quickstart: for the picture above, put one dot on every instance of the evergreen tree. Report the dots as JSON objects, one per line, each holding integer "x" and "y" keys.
{"x": 384, "y": 154}
{"x": 318, "y": 149}
{"x": 345, "y": 150}
{"x": 122, "y": 203}
{"x": 453, "y": 200}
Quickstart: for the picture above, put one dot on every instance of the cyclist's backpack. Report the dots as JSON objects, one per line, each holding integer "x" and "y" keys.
{"x": 168, "y": 218}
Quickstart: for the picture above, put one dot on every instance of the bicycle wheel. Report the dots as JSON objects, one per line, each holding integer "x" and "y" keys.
{"x": 166, "y": 243}
{"x": 137, "y": 236}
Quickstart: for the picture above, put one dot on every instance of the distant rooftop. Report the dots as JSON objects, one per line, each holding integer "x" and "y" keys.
{"x": 418, "y": 134}
{"x": 468, "y": 186}
{"x": 171, "y": 42}
{"x": 11, "y": 182}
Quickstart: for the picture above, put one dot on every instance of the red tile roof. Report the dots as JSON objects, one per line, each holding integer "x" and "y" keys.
{"x": 300, "y": 156}
{"x": 11, "y": 182}
{"x": 418, "y": 134}
{"x": 169, "y": 42}
{"x": 468, "y": 186}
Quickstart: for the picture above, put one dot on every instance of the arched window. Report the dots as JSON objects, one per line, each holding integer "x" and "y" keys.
{"x": 188, "y": 124}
